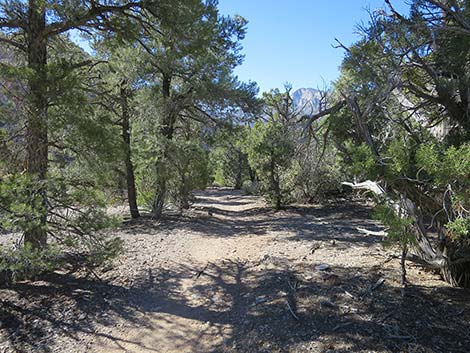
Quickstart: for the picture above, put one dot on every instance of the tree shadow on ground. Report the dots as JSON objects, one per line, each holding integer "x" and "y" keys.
{"x": 238, "y": 307}
{"x": 270, "y": 305}
{"x": 218, "y": 218}
{"x": 36, "y": 314}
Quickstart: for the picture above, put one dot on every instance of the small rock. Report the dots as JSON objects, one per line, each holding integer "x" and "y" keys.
{"x": 196, "y": 296}
{"x": 260, "y": 300}
{"x": 377, "y": 284}
{"x": 322, "y": 267}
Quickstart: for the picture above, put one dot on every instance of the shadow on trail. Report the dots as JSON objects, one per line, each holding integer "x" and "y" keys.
{"x": 36, "y": 314}
{"x": 338, "y": 220}
{"x": 336, "y": 310}
{"x": 217, "y": 215}
{"x": 267, "y": 306}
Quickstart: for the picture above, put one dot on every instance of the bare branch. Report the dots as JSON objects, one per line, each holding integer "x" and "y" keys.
{"x": 12, "y": 43}
{"x": 332, "y": 110}
{"x": 406, "y": 208}
{"x": 12, "y": 23}
{"x": 92, "y": 14}
{"x": 379, "y": 233}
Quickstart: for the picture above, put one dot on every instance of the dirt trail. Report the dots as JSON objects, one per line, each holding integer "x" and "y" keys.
{"x": 231, "y": 275}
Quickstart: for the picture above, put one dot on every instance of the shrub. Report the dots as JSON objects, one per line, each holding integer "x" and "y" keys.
{"x": 251, "y": 187}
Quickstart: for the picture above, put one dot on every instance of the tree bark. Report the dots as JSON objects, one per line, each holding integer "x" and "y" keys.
{"x": 126, "y": 136}
{"x": 167, "y": 130}
{"x": 457, "y": 275}
{"x": 239, "y": 176}
{"x": 275, "y": 186}
{"x": 36, "y": 125}
{"x": 252, "y": 174}
{"x": 362, "y": 126}
{"x": 404, "y": 283}
{"x": 456, "y": 270}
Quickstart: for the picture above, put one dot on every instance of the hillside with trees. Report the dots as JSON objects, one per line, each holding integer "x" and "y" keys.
{"x": 151, "y": 200}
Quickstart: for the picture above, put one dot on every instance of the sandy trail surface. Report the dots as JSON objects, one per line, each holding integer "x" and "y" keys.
{"x": 231, "y": 275}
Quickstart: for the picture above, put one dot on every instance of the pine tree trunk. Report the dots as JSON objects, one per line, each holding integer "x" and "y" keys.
{"x": 278, "y": 205}
{"x": 239, "y": 176}
{"x": 167, "y": 133}
{"x": 159, "y": 201}
{"x": 185, "y": 193}
{"x": 404, "y": 282}
{"x": 126, "y": 136}
{"x": 36, "y": 125}
{"x": 276, "y": 189}
{"x": 252, "y": 174}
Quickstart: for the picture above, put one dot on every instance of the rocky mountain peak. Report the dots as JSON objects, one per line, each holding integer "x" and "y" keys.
{"x": 307, "y": 99}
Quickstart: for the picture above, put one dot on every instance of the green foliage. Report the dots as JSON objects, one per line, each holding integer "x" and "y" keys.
{"x": 228, "y": 159}
{"x": 75, "y": 99}
{"x": 20, "y": 203}
{"x": 103, "y": 251}
{"x": 184, "y": 169}
{"x": 449, "y": 169}
{"x": 318, "y": 174}
{"x": 362, "y": 163}
{"x": 398, "y": 228}
{"x": 447, "y": 165}
{"x": 398, "y": 158}
{"x": 251, "y": 187}
{"x": 26, "y": 262}
{"x": 270, "y": 151}
{"x": 188, "y": 170}
{"x": 269, "y": 144}
{"x": 76, "y": 217}
{"x": 403, "y": 122}
{"x": 459, "y": 228}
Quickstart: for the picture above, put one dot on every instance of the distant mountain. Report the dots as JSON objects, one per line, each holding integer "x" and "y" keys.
{"x": 307, "y": 99}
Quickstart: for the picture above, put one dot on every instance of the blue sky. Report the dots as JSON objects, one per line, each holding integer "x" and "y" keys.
{"x": 291, "y": 40}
